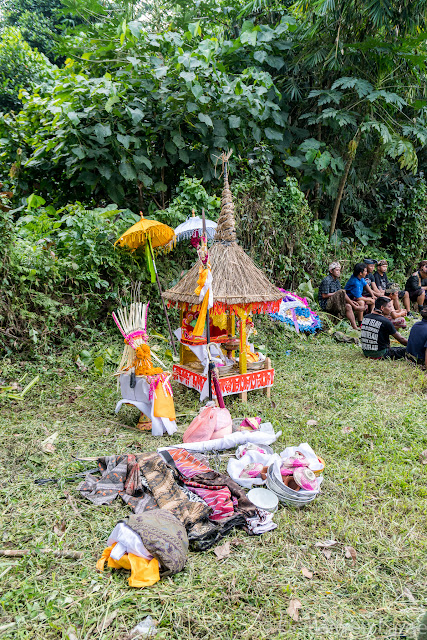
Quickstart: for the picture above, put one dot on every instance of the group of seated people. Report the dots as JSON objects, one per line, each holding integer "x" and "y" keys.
{"x": 371, "y": 298}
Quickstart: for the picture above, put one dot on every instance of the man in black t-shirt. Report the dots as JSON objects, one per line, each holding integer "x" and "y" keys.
{"x": 376, "y": 332}
{"x": 416, "y": 284}
{"x": 382, "y": 286}
{"x": 370, "y": 266}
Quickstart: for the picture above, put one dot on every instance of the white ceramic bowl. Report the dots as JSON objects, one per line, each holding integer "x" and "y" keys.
{"x": 264, "y": 499}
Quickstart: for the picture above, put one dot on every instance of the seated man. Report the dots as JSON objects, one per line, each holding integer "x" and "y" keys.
{"x": 355, "y": 286}
{"x": 417, "y": 341}
{"x": 416, "y": 284}
{"x": 334, "y": 300}
{"x": 370, "y": 266}
{"x": 382, "y": 286}
{"x": 376, "y": 332}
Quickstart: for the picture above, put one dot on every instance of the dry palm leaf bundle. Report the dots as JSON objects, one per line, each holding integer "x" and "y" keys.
{"x": 132, "y": 323}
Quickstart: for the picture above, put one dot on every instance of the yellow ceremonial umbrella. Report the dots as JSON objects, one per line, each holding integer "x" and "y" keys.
{"x": 151, "y": 234}
{"x": 157, "y": 233}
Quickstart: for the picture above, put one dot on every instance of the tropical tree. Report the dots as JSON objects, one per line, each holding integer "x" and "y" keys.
{"x": 360, "y": 66}
{"x": 21, "y": 67}
{"x": 39, "y": 21}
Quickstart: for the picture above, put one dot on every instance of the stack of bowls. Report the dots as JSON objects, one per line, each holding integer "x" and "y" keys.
{"x": 286, "y": 495}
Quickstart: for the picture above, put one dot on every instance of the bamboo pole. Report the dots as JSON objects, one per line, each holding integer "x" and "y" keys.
{"x": 19, "y": 553}
{"x": 161, "y": 296}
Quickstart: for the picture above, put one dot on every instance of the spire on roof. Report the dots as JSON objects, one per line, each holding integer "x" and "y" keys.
{"x": 226, "y": 229}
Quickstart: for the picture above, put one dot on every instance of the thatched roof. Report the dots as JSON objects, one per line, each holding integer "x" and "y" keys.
{"x": 235, "y": 278}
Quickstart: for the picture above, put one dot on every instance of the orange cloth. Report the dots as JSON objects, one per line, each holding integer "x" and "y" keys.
{"x": 220, "y": 320}
{"x": 143, "y": 572}
{"x": 143, "y": 363}
{"x": 163, "y": 404}
{"x": 203, "y": 276}
{"x": 204, "y": 285}
{"x": 250, "y": 356}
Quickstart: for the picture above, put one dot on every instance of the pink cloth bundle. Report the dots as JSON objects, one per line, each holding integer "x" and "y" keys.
{"x": 211, "y": 423}
{"x": 253, "y": 470}
{"x": 289, "y": 465}
{"x": 250, "y": 423}
{"x": 251, "y": 447}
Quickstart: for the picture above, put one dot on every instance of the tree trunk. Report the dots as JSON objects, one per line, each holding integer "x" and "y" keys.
{"x": 352, "y": 148}
{"x": 317, "y": 187}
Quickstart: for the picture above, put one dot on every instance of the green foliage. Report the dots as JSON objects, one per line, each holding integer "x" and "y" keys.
{"x": 306, "y": 290}
{"x": 170, "y": 106}
{"x": 401, "y": 220}
{"x": 39, "y": 21}
{"x": 277, "y": 227}
{"x": 21, "y": 67}
{"x": 64, "y": 275}
{"x": 135, "y": 108}
{"x": 191, "y": 194}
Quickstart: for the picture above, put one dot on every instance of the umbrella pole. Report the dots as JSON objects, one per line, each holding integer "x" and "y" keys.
{"x": 211, "y": 364}
{"x": 161, "y": 297}
{"x": 208, "y": 329}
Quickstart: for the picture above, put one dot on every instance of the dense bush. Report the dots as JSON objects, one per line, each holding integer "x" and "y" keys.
{"x": 62, "y": 275}
{"x": 276, "y": 226}
{"x": 20, "y": 68}
{"x": 190, "y": 194}
{"x": 401, "y": 219}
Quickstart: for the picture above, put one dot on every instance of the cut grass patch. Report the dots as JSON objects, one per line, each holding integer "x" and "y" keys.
{"x": 370, "y": 431}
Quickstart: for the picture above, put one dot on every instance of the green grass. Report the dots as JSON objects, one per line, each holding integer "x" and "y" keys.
{"x": 374, "y": 499}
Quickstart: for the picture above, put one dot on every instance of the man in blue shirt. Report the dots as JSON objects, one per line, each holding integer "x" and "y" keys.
{"x": 357, "y": 283}
{"x": 334, "y": 299}
{"x": 417, "y": 341}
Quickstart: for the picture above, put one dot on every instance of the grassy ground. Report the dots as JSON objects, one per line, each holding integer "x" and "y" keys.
{"x": 370, "y": 431}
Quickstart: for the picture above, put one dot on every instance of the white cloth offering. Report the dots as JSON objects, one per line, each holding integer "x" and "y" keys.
{"x": 128, "y": 541}
{"x": 236, "y": 466}
{"x": 139, "y": 398}
{"x": 262, "y": 522}
{"x": 265, "y": 435}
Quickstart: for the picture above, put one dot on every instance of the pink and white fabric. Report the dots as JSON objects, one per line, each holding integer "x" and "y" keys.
{"x": 217, "y": 497}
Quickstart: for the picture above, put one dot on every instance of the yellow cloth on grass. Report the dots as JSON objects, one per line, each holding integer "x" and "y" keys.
{"x": 163, "y": 404}
{"x": 143, "y": 572}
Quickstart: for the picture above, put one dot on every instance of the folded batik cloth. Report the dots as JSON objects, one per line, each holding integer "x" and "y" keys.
{"x": 163, "y": 536}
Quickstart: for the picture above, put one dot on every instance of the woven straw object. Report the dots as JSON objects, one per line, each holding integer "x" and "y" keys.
{"x": 236, "y": 279}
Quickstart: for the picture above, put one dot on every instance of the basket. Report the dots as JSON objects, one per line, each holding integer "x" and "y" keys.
{"x": 256, "y": 366}
{"x": 225, "y": 370}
